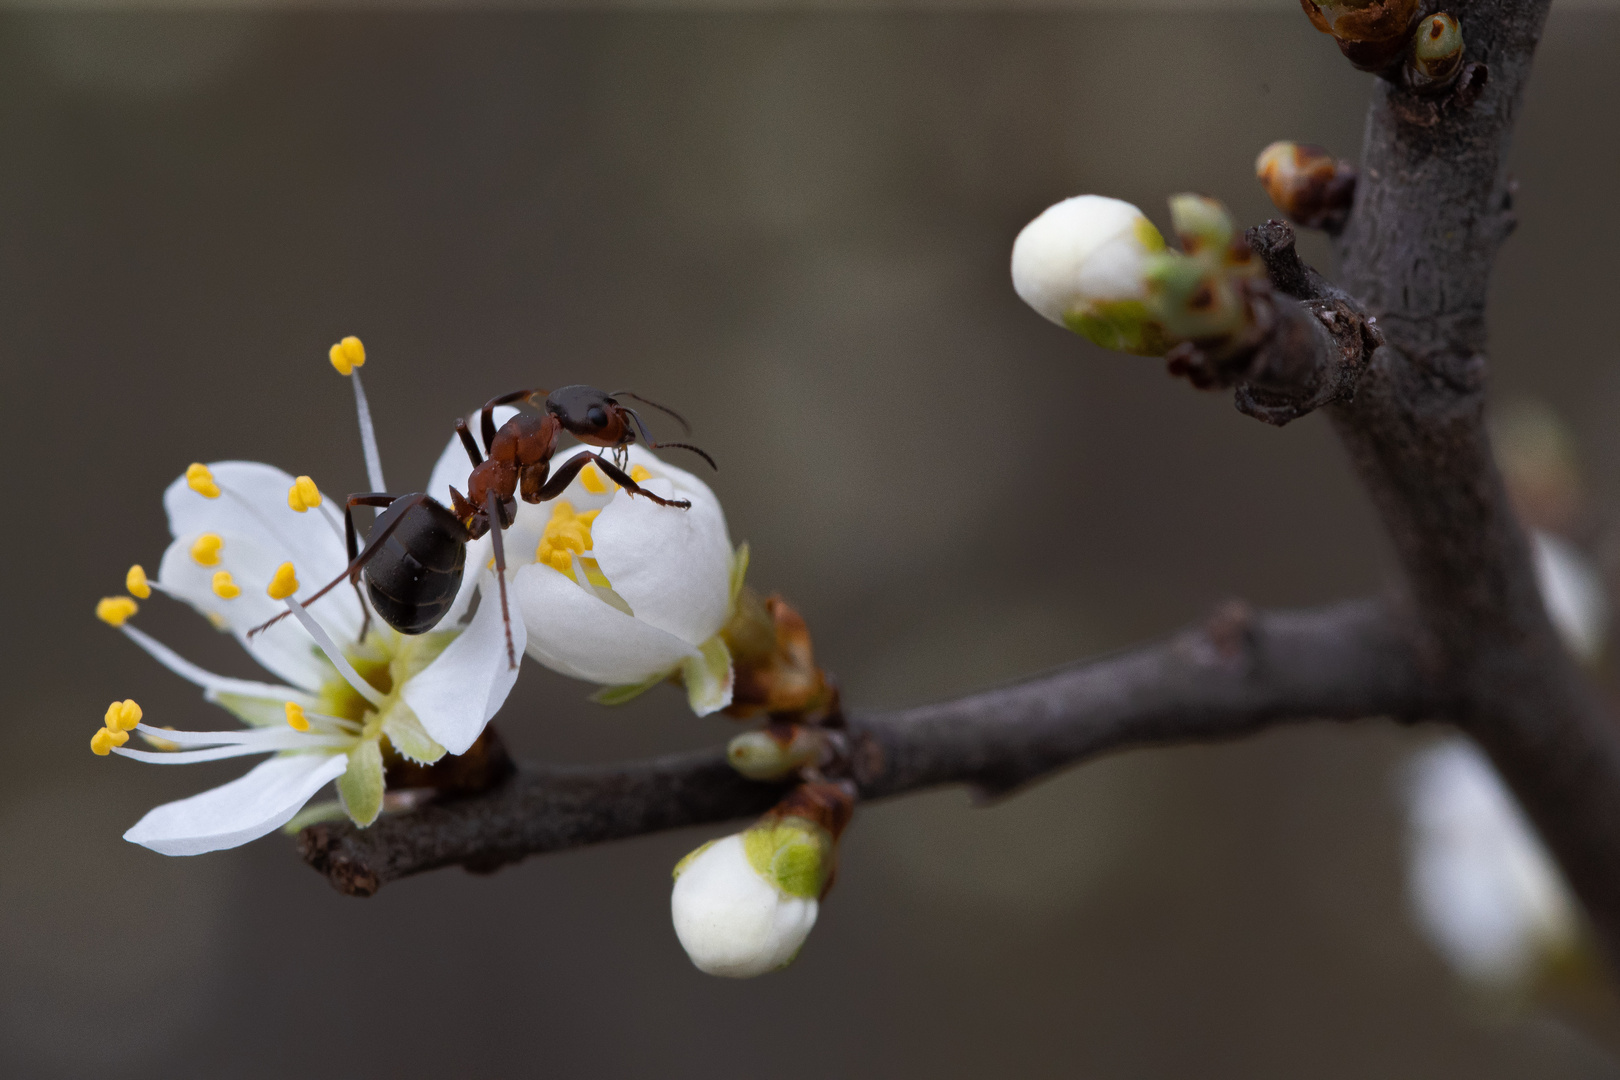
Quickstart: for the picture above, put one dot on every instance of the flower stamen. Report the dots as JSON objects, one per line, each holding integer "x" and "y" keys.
{"x": 224, "y": 587}
{"x": 206, "y": 550}
{"x": 329, "y": 647}
{"x": 201, "y": 480}
{"x": 296, "y": 718}
{"x": 135, "y": 581}
{"x": 348, "y": 357}
{"x": 284, "y": 584}
{"x": 113, "y": 610}
{"x": 303, "y": 494}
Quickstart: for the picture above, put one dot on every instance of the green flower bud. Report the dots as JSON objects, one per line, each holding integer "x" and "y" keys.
{"x": 1437, "y": 54}
{"x": 775, "y": 753}
{"x": 1193, "y": 299}
{"x": 1202, "y": 224}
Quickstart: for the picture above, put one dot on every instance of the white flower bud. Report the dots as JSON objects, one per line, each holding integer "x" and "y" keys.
{"x": 1484, "y": 889}
{"x": 743, "y": 905}
{"x": 1083, "y": 264}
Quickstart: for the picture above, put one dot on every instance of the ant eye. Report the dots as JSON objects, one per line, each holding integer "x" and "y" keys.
{"x": 596, "y": 417}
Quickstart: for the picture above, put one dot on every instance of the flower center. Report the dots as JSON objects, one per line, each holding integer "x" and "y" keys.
{"x": 338, "y": 698}
{"x": 568, "y": 534}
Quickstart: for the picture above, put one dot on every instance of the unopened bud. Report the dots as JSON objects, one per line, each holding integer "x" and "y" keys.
{"x": 744, "y": 905}
{"x": 775, "y": 752}
{"x": 1371, "y": 34}
{"x": 1307, "y": 184}
{"x": 1082, "y": 264}
{"x": 1194, "y": 300}
{"x": 1437, "y": 54}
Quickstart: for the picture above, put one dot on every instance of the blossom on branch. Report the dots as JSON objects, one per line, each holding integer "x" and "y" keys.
{"x": 617, "y": 590}
{"x": 351, "y": 695}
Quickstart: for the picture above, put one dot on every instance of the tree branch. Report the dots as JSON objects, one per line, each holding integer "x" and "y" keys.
{"x": 1235, "y": 675}
{"x": 1431, "y": 210}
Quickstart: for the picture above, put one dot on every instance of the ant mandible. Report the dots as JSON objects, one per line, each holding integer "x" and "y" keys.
{"x": 416, "y": 552}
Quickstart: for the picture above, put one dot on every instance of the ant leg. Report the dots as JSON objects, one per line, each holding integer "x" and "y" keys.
{"x": 487, "y": 422}
{"x": 569, "y": 469}
{"x": 467, "y": 441}
{"x": 356, "y": 564}
{"x": 500, "y": 575}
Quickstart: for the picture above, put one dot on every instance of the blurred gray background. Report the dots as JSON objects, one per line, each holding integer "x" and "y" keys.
{"x": 794, "y": 228}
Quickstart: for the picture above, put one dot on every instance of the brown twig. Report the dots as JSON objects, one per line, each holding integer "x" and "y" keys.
{"x": 1236, "y": 674}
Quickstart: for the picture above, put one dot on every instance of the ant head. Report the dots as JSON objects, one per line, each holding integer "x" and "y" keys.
{"x": 591, "y": 416}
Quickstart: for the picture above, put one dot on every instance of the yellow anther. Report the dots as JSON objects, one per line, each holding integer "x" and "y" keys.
{"x": 135, "y": 581}
{"x": 592, "y": 481}
{"x": 566, "y": 534}
{"x": 200, "y": 480}
{"x": 206, "y": 549}
{"x": 296, "y": 718}
{"x": 284, "y": 584}
{"x": 101, "y": 743}
{"x": 216, "y": 620}
{"x": 640, "y": 473}
{"x": 224, "y": 587}
{"x": 303, "y": 495}
{"x": 122, "y": 715}
{"x": 347, "y": 355}
{"x": 113, "y": 610}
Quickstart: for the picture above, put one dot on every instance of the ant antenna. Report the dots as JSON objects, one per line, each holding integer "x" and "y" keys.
{"x": 651, "y": 445}
{"x": 685, "y": 446}
{"x": 679, "y": 419}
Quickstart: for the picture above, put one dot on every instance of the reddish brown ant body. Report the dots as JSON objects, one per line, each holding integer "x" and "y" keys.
{"x": 415, "y": 556}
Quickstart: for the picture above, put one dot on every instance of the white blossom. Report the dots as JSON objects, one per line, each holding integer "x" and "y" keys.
{"x": 734, "y": 914}
{"x": 1483, "y": 888}
{"x": 617, "y": 590}
{"x": 1572, "y": 589}
{"x": 246, "y": 536}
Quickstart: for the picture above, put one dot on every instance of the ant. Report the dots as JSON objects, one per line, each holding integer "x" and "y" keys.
{"x": 417, "y": 549}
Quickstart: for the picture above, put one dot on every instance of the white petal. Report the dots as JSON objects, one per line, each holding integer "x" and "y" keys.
{"x": 1572, "y": 590}
{"x": 571, "y": 631}
{"x": 452, "y": 468}
{"x": 285, "y": 648}
{"x": 731, "y": 921}
{"x": 672, "y": 566}
{"x": 1079, "y": 250}
{"x": 242, "y": 810}
{"x": 455, "y": 696}
{"x": 253, "y": 503}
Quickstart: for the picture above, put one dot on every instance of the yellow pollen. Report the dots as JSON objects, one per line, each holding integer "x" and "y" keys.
{"x": 224, "y": 587}
{"x": 296, "y": 718}
{"x": 303, "y": 495}
{"x": 347, "y": 355}
{"x": 566, "y": 534}
{"x": 122, "y": 715}
{"x": 135, "y": 581}
{"x": 200, "y": 480}
{"x": 640, "y": 473}
{"x": 592, "y": 481}
{"x": 113, "y": 610}
{"x": 284, "y": 584}
{"x": 206, "y": 549}
{"x": 101, "y": 743}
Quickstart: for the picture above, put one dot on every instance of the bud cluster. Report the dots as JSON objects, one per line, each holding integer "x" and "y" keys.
{"x": 1377, "y": 35}
{"x": 1099, "y": 267}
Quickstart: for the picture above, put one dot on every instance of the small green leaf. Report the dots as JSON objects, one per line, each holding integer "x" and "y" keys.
{"x": 407, "y": 735}
{"x": 618, "y": 695}
{"x": 314, "y": 814}
{"x": 708, "y": 677}
{"x": 361, "y": 787}
{"x": 739, "y": 569}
